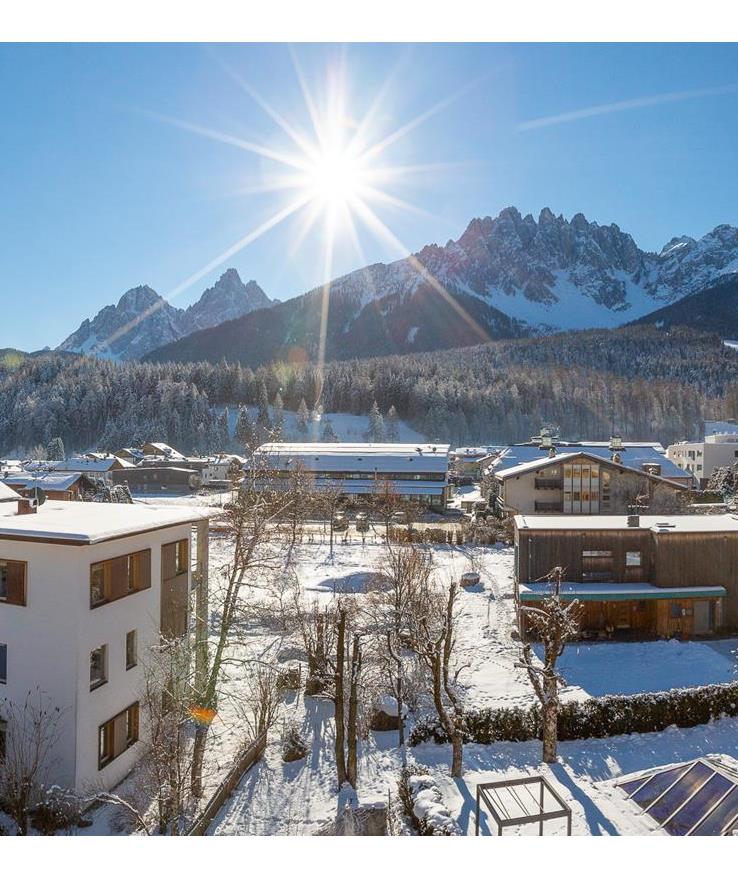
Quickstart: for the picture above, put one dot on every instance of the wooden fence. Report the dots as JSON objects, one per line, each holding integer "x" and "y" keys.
{"x": 246, "y": 759}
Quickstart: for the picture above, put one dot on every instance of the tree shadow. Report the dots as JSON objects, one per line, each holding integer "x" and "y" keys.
{"x": 597, "y": 823}
{"x": 467, "y": 815}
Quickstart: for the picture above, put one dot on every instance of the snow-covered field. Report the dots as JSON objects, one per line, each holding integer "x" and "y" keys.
{"x": 295, "y": 798}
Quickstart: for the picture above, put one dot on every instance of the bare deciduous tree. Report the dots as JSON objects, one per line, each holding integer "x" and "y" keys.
{"x": 554, "y": 623}
{"x": 433, "y": 639}
{"x": 32, "y": 732}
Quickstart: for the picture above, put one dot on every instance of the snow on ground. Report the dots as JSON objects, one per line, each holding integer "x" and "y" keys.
{"x": 347, "y": 427}
{"x": 295, "y": 798}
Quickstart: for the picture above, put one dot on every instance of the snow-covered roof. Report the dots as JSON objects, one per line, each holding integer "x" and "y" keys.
{"x": 89, "y": 523}
{"x": 631, "y": 455}
{"x": 663, "y": 524}
{"x": 540, "y": 590}
{"x": 48, "y": 481}
{"x": 472, "y": 453}
{"x": 546, "y": 461}
{"x": 88, "y": 465}
{"x": 166, "y": 450}
{"x": 7, "y": 494}
{"x": 358, "y": 457}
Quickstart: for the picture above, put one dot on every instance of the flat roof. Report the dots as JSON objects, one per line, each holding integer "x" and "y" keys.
{"x": 540, "y": 590}
{"x": 663, "y": 524}
{"x": 7, "y": 493}
{"x": 89, "y": 523}
{"x": 358, "y": 457}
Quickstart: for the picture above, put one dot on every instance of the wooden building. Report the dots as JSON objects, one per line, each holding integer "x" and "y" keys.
{"x": 636, "y": 576}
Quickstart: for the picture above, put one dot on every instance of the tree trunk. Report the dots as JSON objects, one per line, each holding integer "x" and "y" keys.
{"x": 550, "y": 714}
{"x": 457, "y": 752}
{"x": 353, "y": 713}
{"x": 339, "y": 699}
{"x": 198, "y": 756}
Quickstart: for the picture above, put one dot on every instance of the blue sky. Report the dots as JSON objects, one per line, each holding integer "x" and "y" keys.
{"x": 100, "y": 193}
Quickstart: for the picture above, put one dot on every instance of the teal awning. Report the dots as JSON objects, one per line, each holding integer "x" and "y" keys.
{"x": 618, "y": 591}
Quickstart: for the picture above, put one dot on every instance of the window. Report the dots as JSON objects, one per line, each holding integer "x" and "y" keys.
{"x": 182, "y": 556}
{"x": 3, "y": 663}
{"x": 115, "y": 578}
{"x": 131, "y": 650}
{"x": 12, "y": 582}
{"x": 98, "y": 667}
{"x": 675, "y": 610}
{"x": 117, "y": 735}
{"x": 633, "y": 559}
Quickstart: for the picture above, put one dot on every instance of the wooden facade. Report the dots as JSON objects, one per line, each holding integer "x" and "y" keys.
{"x": 669, "y": 561}
{"x": 175, "y": 558}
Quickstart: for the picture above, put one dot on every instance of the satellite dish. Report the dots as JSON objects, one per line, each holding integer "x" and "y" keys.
{"x": 39, "y": 498}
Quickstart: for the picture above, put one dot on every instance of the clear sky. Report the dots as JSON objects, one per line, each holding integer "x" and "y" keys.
{"x": 102, "y": 188}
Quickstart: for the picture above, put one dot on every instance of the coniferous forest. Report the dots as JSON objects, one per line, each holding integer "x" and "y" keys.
{"x": 638, "y": 381}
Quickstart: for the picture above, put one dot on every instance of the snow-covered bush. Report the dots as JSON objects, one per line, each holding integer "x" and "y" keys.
{"x": 594, "y": 718}
{"x": 423, "y": 804}
{"x": 294, "y": 746}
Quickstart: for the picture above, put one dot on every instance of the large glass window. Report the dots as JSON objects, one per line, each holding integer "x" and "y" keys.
{"x": 632, "y": 559}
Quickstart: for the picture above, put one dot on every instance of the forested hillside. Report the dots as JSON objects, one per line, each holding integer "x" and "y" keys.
{"x": 639, "y": 381}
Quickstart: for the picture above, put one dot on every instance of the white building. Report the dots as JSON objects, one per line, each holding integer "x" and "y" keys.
{"x": 416, "y": 472}
{"x": 701, "y": 458}
{"x": 85, "y": 589}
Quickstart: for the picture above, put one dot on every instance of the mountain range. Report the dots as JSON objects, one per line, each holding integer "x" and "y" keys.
{"x": 143, "y": 320}
{"x": 505, "y": 277}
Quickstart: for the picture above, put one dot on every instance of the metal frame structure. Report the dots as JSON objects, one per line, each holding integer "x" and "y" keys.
{"x": 531, "y": 807}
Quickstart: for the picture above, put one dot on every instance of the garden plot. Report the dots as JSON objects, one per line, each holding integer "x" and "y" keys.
{"x": 647, "y": 667}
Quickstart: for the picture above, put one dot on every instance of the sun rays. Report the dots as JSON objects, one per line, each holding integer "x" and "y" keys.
{"x": 333, "y": 176}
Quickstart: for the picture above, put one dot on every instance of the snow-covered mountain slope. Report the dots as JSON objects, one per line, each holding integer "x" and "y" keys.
{"x": 714, "y": 309}
{"x": 504, "y": 277}
{"x": 143, "y": 320}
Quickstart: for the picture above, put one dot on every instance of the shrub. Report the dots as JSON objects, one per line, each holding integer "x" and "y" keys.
{"x": 594, "y": 718}
{"x": 423, "y": 805}
{"x": 58, "y": 810}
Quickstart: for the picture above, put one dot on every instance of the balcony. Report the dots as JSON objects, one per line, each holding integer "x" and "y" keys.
{"x": 550, "y": 483}
{"x": 549, "y": 507}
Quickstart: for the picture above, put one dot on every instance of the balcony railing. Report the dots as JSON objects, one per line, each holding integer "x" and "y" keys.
{"x": 550, "y": 483}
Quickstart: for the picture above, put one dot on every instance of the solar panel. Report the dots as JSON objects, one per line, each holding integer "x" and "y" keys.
{"x": 695, "y": 809}
{"x": 694, "y": 799}
{"x": 721, "y": 818}
{"x": 675, "y": 796}
{"x": 656, "y": 785}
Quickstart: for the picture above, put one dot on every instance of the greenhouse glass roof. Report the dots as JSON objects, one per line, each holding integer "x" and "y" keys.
{"x": 692, "y": 799}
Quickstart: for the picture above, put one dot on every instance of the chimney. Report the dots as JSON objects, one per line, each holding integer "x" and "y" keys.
{"x": 616, "y": 443}
{"x": 552, "y": 452}
{"x": 634, "y": 521}
{"x": 25, "y": 506}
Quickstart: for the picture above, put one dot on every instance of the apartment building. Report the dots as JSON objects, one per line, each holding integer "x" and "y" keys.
{"x": 416, "y": 472}
{"x": 85, "y": 590}
{"x": 575, "y": 483}
{"x": 701, "y": 459}
{"x": 636, "y": 576}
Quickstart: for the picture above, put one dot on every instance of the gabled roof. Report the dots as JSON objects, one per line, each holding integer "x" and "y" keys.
{"x": 541, "y": 463}
{"x": 47, "y": 481}
{"x": 88, "y": 465}
{"x": 7, "y": 494}
{"x": 631, "y": 455}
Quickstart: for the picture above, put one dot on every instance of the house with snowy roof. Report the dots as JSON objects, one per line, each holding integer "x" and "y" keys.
{"x": 85, "y": 591}
{"x": 636, "y": 575}
{"x": 416, "y": 472}
{"x": 574, "y": 481}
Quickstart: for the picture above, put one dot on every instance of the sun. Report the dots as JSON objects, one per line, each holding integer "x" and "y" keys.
{"x": 335, "y": 177}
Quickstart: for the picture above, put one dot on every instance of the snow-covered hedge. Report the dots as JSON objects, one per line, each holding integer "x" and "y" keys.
{"x": 594, "y": 718}
{"x": 423, "y": 805}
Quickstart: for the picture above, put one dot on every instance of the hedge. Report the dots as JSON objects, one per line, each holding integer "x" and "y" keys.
{"x": 423, "y": 804}
{"x": 595, "y": 718}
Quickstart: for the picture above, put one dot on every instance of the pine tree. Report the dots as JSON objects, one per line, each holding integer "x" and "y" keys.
{"x": 303, "y": 417}
{"x": 392, "y": 424}
{"x": 278, "y": 412}
{"x": 375, "y": 433}
{"x": 329, "y": 435}
{"x": 55, "y": 449}
{"x": 245, "y": 433}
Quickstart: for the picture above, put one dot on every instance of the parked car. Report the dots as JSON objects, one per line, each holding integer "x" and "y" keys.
{"x": 469, "y": 579}
{"x": 362, "y": 522}
{"x": 400, "y": 518}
